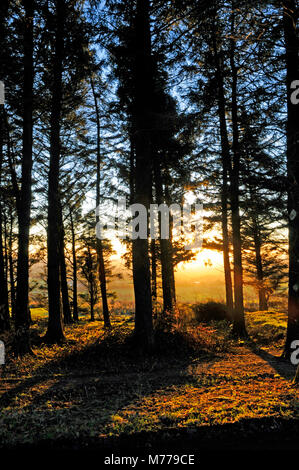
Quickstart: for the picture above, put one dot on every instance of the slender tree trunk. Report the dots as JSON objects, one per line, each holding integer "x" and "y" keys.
{"x": 103, "y": 284}
{"x": 91, "y": 293}
{"x": 66, "y": 309}
{"x": 154, "y": 272}
{"x": 92, "y": 300}
{"x": 290, "y": 18}
{"x": 132, "y": 169}
{"x": 226, "y": 171}
{"x": 4, "y": 308}
{"x": 74, "y": 257}
{"x": 142, "y": 144}
{"x": 5, "y": 243}
{"x": 165, "y": 248}
{"x": 239, "y": 328}
{"x": 170, "y": 244}
{"x": 11, "y": 271}
{"x": 263, "y": 304}
{"x": 100, "y": 251}
{"x": 91, "y": 306}
{"x": 90, "y": 282}
{"x": 22, "y": 321}
{"x": 55, "y": 328}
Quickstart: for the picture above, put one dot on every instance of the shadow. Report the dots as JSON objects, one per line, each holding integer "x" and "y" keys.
{"x": 106, "y": 371}
{"x": 284, "y": 368}
{"x": 111, "y": 376}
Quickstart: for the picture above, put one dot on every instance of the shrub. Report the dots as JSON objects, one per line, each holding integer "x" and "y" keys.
{"x": 208, "y": 311}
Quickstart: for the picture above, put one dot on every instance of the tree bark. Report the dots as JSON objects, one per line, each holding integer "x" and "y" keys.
{"x": 263, "y": 304}
{"x": 100, "y": 251}
{"x": 165, "y": 247}
{"x": 66, "y": 309}
{"x": 142, "y": 145}
{"x": 170, "y": 244}
{"x": 74, "y": 257}
{"x": 226, "y": 171}
{"x": 239, "y": 328}
{"x": 11, "y": 271}
{"x": 4, "y": 308}
{"x": 290, "y": 18}
{"x": 154, "y": 273}
{"x": 22, "y": 321}
{"x": 55, "y": 328}
{"x": 91, "y": 283}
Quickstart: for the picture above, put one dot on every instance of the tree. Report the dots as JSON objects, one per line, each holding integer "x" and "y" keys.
{"x": 22, "y": 342}
{"x": 74, "y": 262}
{"x": 100, "y": 253}
{"x": 133, "y": 59}
{"x": 88, "y": 266}
{"x": 290, "y": 18}
{"x": 226, "y": 163}
{"x": 67, "y": 315}
{"x": 239, "y": 328}
{"x": 55, "y": 328}
{"x": 263, "y": 198}
{"x": 143, "y": 80}
{"x": 66, "y": 76}
{"x": 4, "y": 309}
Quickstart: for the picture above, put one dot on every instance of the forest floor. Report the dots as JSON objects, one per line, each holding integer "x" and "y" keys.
{"x": 201, "y": 390}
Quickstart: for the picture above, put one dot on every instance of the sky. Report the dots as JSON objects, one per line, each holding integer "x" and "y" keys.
{"x": 196, "y": 280}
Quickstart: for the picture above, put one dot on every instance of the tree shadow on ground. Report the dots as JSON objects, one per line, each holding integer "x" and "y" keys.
{"x": 108, "y": 373}
{"x": 284, "y": 368}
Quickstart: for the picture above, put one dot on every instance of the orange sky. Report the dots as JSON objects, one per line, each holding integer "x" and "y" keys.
{"x": 196, "y": 280}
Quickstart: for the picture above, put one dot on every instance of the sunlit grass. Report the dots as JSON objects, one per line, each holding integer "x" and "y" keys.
{"x": 91, "y": 386}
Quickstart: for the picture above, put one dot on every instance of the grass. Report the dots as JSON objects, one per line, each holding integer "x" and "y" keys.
{"x": 95, "y": 386}
{"x": 267, "y": 328}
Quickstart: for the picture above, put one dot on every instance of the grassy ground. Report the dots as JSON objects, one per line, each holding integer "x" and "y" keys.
{"x": 95, "y": 388}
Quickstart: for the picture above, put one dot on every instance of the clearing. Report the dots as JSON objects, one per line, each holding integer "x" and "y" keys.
{"x": 206, "y": 392}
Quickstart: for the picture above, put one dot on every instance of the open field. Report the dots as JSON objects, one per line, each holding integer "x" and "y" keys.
{"x": 93, "y": 391}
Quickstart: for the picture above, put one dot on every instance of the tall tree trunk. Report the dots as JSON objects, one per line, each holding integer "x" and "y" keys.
{"x": 74, "y": 258}
{"x": 91, "y": 306}
{"x": 100, "y": 251}
{"x": 170, "y": 245}
{"x": 66, "y": 309}
{"x": 226, "y": 171}
{"x": 11, "y": 271}
{"x": 22, "y": 341}
{"x": 263, "y": 305}
{"x": 154, "y": 272}
{"x": 290, "y": 18}
{"x": 165, "y": 247}
{"x": 142, "y": 144}
{"x": 132, "y": 169}
{"x": 91, "y": 283}
{"x": 5, "y": 243}
{"x": 239, "y": 328}
{"x": 4, "y": 308}
{"x": 55, "y": 328}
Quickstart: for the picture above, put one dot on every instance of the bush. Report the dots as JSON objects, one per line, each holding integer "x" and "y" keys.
{"x": 208, "y": 311}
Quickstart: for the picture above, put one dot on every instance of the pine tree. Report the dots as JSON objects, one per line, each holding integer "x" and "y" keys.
{"x": 290, "y": 18}
{"x": 22, "y": 342}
